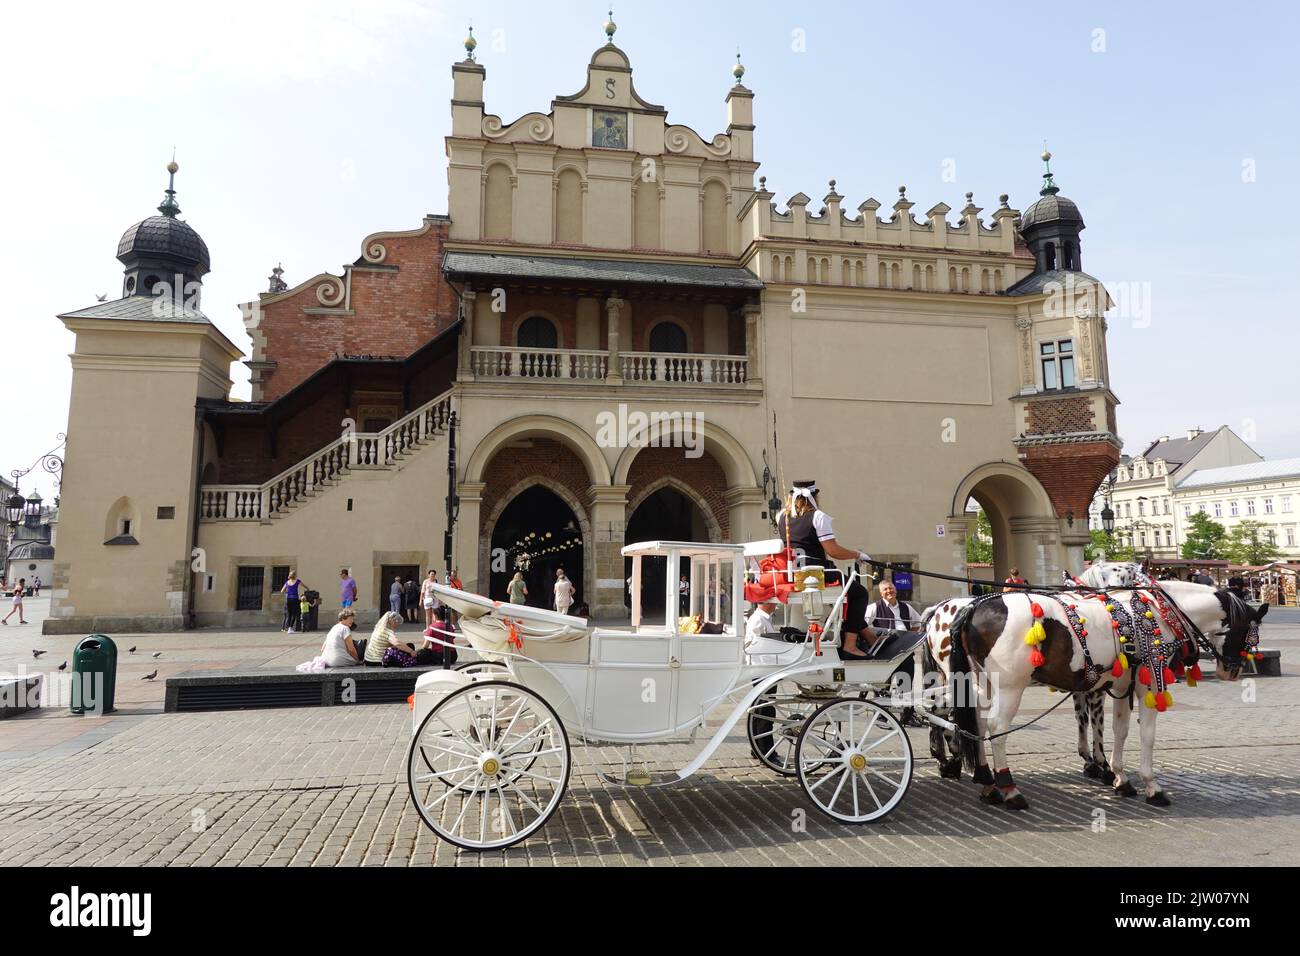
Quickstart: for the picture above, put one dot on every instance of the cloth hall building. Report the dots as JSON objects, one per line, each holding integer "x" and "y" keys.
{"x": 598, "y": 268}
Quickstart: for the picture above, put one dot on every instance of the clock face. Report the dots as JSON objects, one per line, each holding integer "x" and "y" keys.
{"x": 609, "y": 129}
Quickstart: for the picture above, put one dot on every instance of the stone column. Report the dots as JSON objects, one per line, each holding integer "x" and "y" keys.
{"x": 753, "y": 342}
{"x": 464, "y": 365}
{"x": 613, "y": 374}
{"x": 608, "y": 515}
{"x": 957, "y": 529}
{"x": 745, "y": 514}
{"x": 470, "y": 549}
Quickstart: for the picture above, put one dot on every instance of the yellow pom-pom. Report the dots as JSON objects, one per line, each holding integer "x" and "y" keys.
{"x": 1191, "y": 682}
{"x": 1038, "y": 633}
{"x": 1110, "y": 607}
{"x": 1169, "y": 699}
{"x": 1030, "y": 639}
{"x": 1123, "y": 662}
{"x": 1149, "y": 615}
{"x": 1149, "y": 700}
{"x": 1083, "y": 620}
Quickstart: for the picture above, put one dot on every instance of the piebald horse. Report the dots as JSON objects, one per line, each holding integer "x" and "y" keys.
{"x": 980, "y": 645}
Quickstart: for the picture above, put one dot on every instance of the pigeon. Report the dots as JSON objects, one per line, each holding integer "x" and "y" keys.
{"x": 131, "y": 649}
{"x": 101, "y": 298}
{"x": 150, "y": 676}
{"x": 63, "y": 666}
{"x": 157, "y": 653}
{"x": 37, "y": 653}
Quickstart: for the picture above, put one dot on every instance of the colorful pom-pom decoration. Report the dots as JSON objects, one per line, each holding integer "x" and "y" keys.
{"x": 1117, "y": 669}
{"x": 1161, "y": 703}
{"x": 1036, "y": 658}
{"x": 1169, "y": 676}
{"x": 1036, "y": 609}
{"x": 1148, "y": 615}
{"x": 1144, "y": 676}
{"x": 1196, "y": 672}
{"x": 1110, "y": 607}
{"x": 1149, "y": 699}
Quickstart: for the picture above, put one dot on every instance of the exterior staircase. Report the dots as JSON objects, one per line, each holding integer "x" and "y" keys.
{"x": 327, "y": 467}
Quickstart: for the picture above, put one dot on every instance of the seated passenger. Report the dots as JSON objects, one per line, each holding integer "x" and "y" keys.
{"x": 759, "y": 622}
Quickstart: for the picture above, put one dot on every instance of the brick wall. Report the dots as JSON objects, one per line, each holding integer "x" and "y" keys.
{"x": 1071, "y": 473}
{"x": 542, "y": 458}
{"x": 1056, "y": 416}
{"x": 396, "y": 311}
{"x": 702, "y": 474}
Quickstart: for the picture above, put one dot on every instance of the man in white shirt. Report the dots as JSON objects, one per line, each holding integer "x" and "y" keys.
{"x": 563, "y": 592}
{"x": 760, "y": 621}
{"x": 889, "y": 613}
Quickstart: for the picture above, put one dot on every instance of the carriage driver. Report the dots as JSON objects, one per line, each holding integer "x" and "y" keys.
{"x": 809, "y": 532}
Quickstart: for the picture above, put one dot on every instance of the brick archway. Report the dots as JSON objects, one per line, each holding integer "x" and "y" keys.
{"x": 669, "y": 481}
{"x": 561, "y": 491}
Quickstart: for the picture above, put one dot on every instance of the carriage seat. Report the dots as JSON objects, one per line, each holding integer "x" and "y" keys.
{"x": 898, "y": 644}
{"x": 780, "y": 574}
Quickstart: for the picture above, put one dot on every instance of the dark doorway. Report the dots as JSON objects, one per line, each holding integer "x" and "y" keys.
{"x": 665, "y": 515}
{"x": 536, "y": 534}
{"x": 386, "y": 574}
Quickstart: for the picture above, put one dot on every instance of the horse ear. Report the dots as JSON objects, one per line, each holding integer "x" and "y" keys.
{"x": 1260, "y": 612}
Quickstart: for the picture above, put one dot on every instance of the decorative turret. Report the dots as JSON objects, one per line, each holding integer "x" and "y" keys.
{"x": 610, "y": 27}
{"x": 160, "y": 248}
{"x": 1051, "y": 227}
{"x": 277, "y": 280}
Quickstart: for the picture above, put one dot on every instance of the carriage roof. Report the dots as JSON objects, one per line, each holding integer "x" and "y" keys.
{"x": 686, "y": 549}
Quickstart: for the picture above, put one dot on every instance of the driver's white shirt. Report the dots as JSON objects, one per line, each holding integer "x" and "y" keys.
{"x": 759, "y": 623}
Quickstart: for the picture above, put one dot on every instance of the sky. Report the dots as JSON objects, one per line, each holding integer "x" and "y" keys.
{"x": 300, "y": 127}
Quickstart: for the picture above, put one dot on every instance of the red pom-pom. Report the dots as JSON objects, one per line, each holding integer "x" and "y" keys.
{"x": 1161, "y": 706}
{"x": 1036, "y": 609}
{"x": 1169, "y": 676}
{"x": 1036, "y": 658}
{"x": 1196, "y": 672}
{"x": 1144, "y": 599}
{"x": 1117, "y": 669}
{"x": 1084, "y": 632}
{"x": 1144, "y": 675}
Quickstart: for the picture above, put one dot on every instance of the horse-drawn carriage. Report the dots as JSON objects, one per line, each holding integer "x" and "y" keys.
{"x": 491, "y": 748}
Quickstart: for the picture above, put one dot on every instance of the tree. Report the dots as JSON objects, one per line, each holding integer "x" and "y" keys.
{"x": 1205, "y": 539}
{"x": 1247, "y": 545}
{"x": 979, "y": 546}
{"x": 1105, "y": 545}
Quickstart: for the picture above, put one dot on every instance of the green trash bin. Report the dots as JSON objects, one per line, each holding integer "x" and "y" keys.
{"x": 94, "y": 674}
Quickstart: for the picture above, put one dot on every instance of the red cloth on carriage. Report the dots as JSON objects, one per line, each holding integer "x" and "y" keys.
{"x": 772, "y": 582}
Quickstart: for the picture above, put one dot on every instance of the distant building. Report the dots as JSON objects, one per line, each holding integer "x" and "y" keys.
{"x": 1263, "y": 491}
{"x": 30, "y": 553}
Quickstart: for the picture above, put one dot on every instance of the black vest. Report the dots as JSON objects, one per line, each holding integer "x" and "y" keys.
{"x": 803, "y": 537}
{"x": 886, "y": 621}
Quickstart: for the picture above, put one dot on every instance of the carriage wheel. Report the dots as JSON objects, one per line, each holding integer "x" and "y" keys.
{"x": 494, "y": 767}
{"x": 773, "y": 726}
{"x": 854, "y": 760}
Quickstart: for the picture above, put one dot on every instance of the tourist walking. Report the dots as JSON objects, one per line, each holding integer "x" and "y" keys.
{"x": 292, "y": 591}
{"x": 429, "y": 600}
{"x": 395, "y": 595}
{"x": 517, "y": 590}
{"x": 17, "y": 602}
{"x": 347, "y": 589}
{"x": 563, "y": 592}
{"x": 36, "y": 586}
{"x": 411, "y": 600}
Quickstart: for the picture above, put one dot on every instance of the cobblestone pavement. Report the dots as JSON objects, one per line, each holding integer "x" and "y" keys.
{"x": 318, "y": 787}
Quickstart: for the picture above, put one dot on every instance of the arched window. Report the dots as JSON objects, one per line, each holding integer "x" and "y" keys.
{"x": 537, "y": 332}
{"x": 1049, "y": 256}
{"x": 667, "y": 337}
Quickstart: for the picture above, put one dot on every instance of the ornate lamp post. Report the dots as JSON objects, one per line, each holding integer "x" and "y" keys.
{"x": 18, "y": 509}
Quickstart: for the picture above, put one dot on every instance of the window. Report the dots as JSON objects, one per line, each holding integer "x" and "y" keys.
{"x": 1187, "y": 511}
{"x": 1271, "y": 535}
{"x": 1250, "y": 506}
{"x": 1268, "y": 506}
{"x": 537, "y": 332}
{"x": 166, "y": 512}
{"x": 279, "y": 574}
{"x": 209, "y": 582}
{"x": 248, "y": 592}
{"x": 1057, "y": 360}
{"x": 1218, "y": 509}
{"x": 1290, "y": 537}
{"x": 1233, "y": 508}
{"x": 1169, "y": 539}
{"x": 1286, "y": 504}
{"x": 667, "y": 337}
{"x": 1144, "y": 539}
{"x": 1203, "y": 509}
{"x": 126, "y": 526}
{"x": 1128, "y": 509}
{"x": 1142, "y": 508}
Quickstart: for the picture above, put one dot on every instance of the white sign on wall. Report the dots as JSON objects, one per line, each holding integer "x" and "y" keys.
{"x": 940, "y": 530}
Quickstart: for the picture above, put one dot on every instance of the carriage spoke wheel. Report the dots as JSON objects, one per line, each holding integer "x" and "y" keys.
{"x": 494, "y": 765}
{"x": 854, "y": 760}
{"x": 773, "y": 726}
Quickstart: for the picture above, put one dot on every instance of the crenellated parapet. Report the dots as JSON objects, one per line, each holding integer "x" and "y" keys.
{"x": 897, "y": 251}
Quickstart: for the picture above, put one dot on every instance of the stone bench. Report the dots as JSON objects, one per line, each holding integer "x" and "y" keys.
{"x": 279, "y": 687}
{"x": 19, "y": 694}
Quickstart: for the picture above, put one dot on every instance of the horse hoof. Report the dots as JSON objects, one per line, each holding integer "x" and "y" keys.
{"x": 1158, "y": 799}
{"x": 992, "y": 797}
{"x": 1092, "y": 770}
{"x": 1126, "y": 789}
{"x": 1108, "y": 777}
{"x": 950, "y": 769}
{"x": 1018, "y": 802}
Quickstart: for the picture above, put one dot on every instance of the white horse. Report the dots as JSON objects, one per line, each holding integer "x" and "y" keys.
{"x": 1112, "y": 574}
{"x": 985, "y": 639}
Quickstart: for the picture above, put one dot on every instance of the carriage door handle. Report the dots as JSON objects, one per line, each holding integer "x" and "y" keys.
{"x": 674, "y": 663}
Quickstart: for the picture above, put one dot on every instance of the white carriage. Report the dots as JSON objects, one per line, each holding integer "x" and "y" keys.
{"x": 491, "y": 748}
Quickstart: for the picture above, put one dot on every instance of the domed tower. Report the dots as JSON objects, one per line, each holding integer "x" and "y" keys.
{"x": 163, "y": 248}
{"x": 1051, "y": 227}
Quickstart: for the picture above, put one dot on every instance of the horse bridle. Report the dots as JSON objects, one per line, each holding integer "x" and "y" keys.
{"x": 1236, "y": 607}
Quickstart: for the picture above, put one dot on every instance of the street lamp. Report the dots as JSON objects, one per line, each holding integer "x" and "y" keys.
{"x": 15, "y": 507}
{"x": 1107, "y": 519}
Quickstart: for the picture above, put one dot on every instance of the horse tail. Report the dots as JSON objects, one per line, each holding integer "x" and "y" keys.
{"x": 964, "y": 697}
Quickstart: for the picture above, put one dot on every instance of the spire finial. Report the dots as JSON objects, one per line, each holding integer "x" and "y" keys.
{"x": 610, "y": 26}
{"x": 1049, "y": 185}
{"x": 169, "y": 206}
{"x": 738, "y": 71}
{"x": 470, "y": 44}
